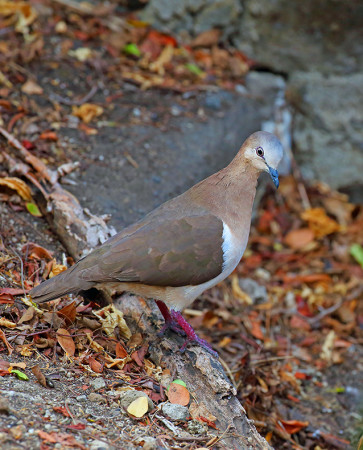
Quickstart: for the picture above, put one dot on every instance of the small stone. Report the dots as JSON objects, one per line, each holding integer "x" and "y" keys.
{"x": 175, "y": 412}
{"x": 147, "y": 443}
{"x": 97, "y": 398}
{"x": 81, "y": 398}
{"x": 99, "y": 445}
{"x": 196, "y": 427}
{"x": 257, "y": 292}
{"x": 98, "y": 383}
{"x": 129, "y": 396}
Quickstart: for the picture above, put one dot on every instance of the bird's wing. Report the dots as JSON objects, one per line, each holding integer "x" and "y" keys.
{"x": 175, "y": 252}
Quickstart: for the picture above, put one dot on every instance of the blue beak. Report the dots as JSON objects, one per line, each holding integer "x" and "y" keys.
{"x": 274, "y": 175}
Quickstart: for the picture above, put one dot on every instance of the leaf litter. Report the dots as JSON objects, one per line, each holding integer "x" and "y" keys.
{"x": 282, "y": 352}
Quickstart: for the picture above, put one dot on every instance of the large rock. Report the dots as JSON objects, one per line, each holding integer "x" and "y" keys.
{"x": 193, "y": 16}
{"x": 328, "y": 127}
{"x": 322, "y": 35}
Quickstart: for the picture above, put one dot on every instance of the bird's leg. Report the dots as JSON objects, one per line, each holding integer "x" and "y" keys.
{"x": 190, "y": 333}
{"x": 170, "y": 322}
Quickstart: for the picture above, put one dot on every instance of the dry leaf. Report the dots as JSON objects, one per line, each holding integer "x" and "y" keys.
{"x": 81, "y": 53}
{"x": 164, "y": 58}
{"x": 138, "y": 407}
{"x": 178, "y": 394}
{"x": 39, "y": 375}
{"x": 30, "y": 87}
{"x": 291, "y": 426}
{"x": 28, "y": 315}
{"x": 8, "y": 346}
{"x": 95, "y": 365}
{"x": 297, "y": 239}
{"x": 237, "y": 291}
{"x": 111, "y": 317}
{"x": 120, "y": 351}
{"x": 208, "y": 38}
{"x": 6, "y": 323}
{"x": 87, "y": 111}
{"x": 68, "y": 313}
{"x": 327, "y": 348}
{"x": 57, "y": 269}
{"x": 200, "y": 410}
{"x": 65, "y": 340}
{"x": 319, "y": 222}
{"x": 36, "y": 251}
{"x": 18, "y": 185}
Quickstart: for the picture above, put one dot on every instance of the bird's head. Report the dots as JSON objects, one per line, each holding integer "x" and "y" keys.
{"x": 264, "y": 152}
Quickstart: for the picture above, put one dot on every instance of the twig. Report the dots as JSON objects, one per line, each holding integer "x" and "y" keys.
{"x": 36, "y": 163}
{"x": 229, "y": 372}
{"x": 21, "y": 268}
{"x": 324, "y": 313}
{"x": 67, "y": 101}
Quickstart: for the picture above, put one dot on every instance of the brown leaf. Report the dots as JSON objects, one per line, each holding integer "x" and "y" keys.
{"x": 8, "y": 346}
{"x": 28, "y": 315}
{"x": 31, "y": 87}
{"x": 207, "y": 38}
{"x": 297, "y": 239}
{"x": 39, "y": 375}
{"x": 65, "y": 340}
{"x": 95, "y": 365}
{"x": 178, "y": 394}
{"x": 36, "y": 251}
{"x": 68, "y": 313}
{"x": 121, "y": 352}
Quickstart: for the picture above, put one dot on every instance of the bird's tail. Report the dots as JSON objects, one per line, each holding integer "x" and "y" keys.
{"x": 64, "y": 283}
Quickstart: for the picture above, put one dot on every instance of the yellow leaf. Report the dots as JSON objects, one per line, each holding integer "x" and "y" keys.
{"x": 18, "y": 185}
{"x": 111, "y": 317}
{"x": 319, "y": 223}
{"x": 57, "y": 269}
{"x": 6, "y": 323}
{"x": 238, "y": 293}
{"x": 138, "y": 407}
{"x": 87, "y": 111}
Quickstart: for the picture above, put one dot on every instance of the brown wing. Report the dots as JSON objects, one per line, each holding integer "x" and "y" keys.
{"x": 177, "y": 252}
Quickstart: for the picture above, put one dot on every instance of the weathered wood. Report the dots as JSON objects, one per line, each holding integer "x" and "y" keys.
{"x": 203, "y": 374}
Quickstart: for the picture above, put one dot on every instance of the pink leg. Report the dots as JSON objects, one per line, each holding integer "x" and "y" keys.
{"x": 176, "y": 322}
{"x": 170, "y": 323}
{"x": 191, "y": 334}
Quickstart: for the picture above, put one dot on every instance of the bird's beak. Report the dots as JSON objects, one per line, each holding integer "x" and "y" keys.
{"x": 274, "y": 175}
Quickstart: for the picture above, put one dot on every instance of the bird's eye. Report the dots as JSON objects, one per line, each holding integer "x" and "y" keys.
{"x": 260, "y": 152}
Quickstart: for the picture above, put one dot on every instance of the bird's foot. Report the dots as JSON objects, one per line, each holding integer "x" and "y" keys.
{"x": 176, "y": 322}
{"x": 191, "y": 335}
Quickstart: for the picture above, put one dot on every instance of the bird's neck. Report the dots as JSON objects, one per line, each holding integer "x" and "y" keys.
{"x": 229, "y": 194}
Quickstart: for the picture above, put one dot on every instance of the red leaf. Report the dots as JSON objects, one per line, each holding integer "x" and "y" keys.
{"x": 61, "y": 410}
{"x": 291, "y": 426}
{"x": 162, "y": 39}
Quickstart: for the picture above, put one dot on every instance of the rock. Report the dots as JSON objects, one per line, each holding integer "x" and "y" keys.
{"x": 98, "y": 383}
{"x": 285, "y": 36}
{"x": 147, "y": 442}
{"x": 328, "y": 127}
{"x": 196, "y": 427}
{"x": 193, "y": 16}
{"x": 81, "y": 398}
{"x": 96, "y": 398}
{"x": 99, "y": 445}
{"x": 175, "y": 412}
{"x": 257, "y": 292}
{"x": 128, "y": 397}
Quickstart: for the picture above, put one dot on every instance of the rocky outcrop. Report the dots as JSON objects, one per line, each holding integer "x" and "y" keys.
{"x": 328, "y": 126}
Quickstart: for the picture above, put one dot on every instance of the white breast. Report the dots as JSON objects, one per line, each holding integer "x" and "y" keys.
{"x": 233, "y": 250}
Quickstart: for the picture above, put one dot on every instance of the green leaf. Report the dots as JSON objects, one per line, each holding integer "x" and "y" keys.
{"x": 20, "y": 375}
{"x": 132, "y": 49}
{"x": 33, "y": 209}
{"x": 181, "y": 382}
{"x": 356, "y": 250}
{"x": 194, "y": 69}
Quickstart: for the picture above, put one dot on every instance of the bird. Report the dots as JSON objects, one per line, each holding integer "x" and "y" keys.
{"x": 183, "y": 247}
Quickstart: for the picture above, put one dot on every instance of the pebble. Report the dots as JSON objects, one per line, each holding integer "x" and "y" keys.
{"x": 175, "y": 412}
{"x": 196, "y": 427}
{"x": 129, "y": 396}
{"x": 81, "y": 398}
{"x": 147, "y": 443}
{"x": 99, "y": 445}
{"x": 97, "y": 398}
{"x": 98, "y": 383}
